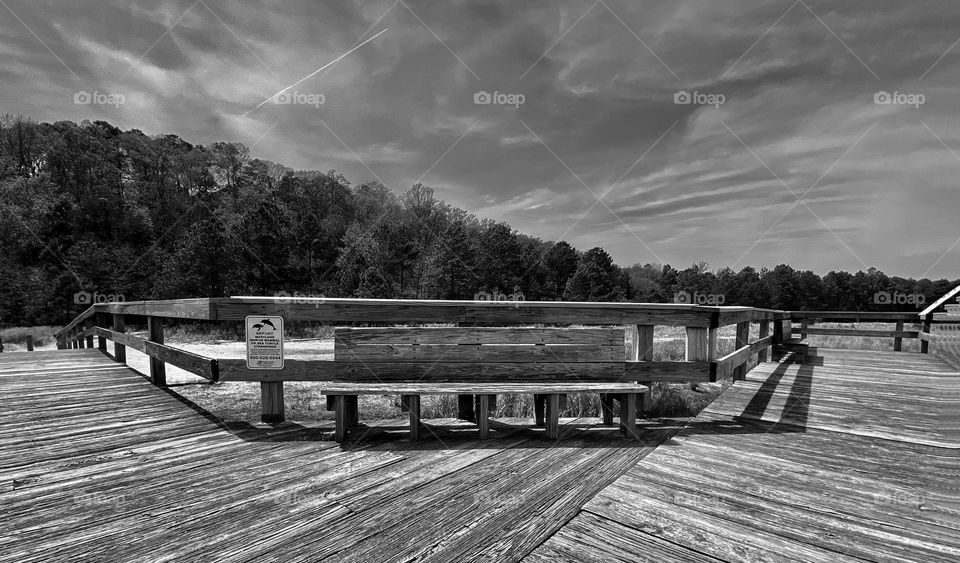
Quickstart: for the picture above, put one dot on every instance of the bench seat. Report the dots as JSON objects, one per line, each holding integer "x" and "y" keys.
{"x": 479, "y": 363}
{"x": 477, "y": 388}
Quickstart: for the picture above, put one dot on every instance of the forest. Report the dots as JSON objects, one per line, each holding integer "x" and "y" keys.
{"x": 91, "y": 213}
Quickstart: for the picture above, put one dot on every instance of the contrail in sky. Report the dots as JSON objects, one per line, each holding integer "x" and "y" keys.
{"x": 318, "y": 70}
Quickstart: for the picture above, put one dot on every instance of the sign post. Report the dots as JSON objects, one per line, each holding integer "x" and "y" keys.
{"x": 264, "y": 342}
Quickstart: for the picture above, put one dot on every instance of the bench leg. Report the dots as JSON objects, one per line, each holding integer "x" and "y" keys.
{"x": 538, "y": 406}
{"x": 491, "y": 404}
{"x": 553, "y": 416}
{"x": 628, "y": 415}
{"x": 606, "y": 408}
{"x": 413, "y": 401}
{"x": 271, "y": 402}
{"x": 465, "y": 407}
{"x": 353, "y": 410}
{"x": 483, "y": 416}
{"x": 340, "y": 418}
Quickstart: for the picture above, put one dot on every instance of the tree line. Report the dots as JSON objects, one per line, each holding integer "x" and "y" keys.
{"x": 89, "y": 213}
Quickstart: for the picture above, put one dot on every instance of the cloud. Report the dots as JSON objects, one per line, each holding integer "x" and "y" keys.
{"x": 877, "y": 181}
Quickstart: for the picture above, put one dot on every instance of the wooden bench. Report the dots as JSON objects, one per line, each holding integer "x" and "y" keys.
{"x": 482, "y": 362}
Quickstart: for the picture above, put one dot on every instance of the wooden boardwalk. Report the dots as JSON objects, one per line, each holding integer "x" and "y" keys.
{"x": 852, "y": 458}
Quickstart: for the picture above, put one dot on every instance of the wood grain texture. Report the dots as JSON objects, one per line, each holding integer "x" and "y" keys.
{"x": 849, "y": 459}
{"x": 346, "y": 337}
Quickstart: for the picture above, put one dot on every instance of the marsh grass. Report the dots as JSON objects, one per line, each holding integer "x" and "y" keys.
{"x": 15, "y": 338}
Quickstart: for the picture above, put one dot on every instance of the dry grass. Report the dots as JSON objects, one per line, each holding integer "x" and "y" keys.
{"x": 15, "y": 338}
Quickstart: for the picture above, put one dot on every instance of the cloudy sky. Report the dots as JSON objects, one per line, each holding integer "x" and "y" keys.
{"x": 782, "y": 154}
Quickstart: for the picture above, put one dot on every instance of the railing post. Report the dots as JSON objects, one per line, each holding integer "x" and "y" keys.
{"x": 925, "y": 327}
{"x": 701, "y": 345}
{"x": 101, "y": 341}
{"x": 764, "y": 332}
{"x": 804, "y": 323}
{"x": 158, "y": 371}
{"x": 743, "y": 338}
{"x": 897, "y": 341}
{"x": 88, "y": 323}
{"x": 29, "y": 343}
{"x": 777, "y": 338}
{"x": 271, "y": 401}
{"x": 119, "y": 350}
{"x": 642, "y": 351}
{"x": 77, "y": 339}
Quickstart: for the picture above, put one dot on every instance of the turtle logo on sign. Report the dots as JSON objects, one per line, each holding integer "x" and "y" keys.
{"x": 264, "y": 342}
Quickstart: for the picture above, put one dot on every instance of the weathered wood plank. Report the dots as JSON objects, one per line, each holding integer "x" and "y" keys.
{"x": 477, "y": 388}
{"x": 345, "y": 337}
{"x": 325, "y": 370}
{"x": 414, "y": 353}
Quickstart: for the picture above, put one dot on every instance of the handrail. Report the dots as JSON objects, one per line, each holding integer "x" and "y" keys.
{"x": 701, "y": 321}
{"x": 933, "y": 306}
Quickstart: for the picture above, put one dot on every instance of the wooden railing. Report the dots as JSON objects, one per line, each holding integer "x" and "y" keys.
{"x": 108, "y": 321}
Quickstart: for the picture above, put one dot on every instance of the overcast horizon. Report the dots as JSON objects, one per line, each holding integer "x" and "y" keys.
{"x": 818, "y": 135}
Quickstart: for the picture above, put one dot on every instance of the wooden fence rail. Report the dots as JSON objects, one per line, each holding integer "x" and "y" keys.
{"x": 108, "y": 322}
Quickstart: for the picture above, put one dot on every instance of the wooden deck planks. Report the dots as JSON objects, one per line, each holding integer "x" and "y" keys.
{"x": 97, "y": 464}
{"x": 846, "y": 459}
{"x": 853, "y": 459}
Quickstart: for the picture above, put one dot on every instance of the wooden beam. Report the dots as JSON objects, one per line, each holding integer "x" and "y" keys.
{"x": 628, "y": 415}
{"x": 119, "y": 350}
{"x": 553, "y": 416}
{"x": 933, "y": 306}
{"x": 863, "y": 332}
{"x": 29, "y": 343}
{"x": 898, "y": 341}
{"x": 483, "y": 417}
{"x": 465, "y": 408}
{"x": 642, "y": 351}
{"x": 539, "y": 407}
{"x": 340, "y": 418}
{"x": 158, "y": 370}
{"x": 925, "y": 327}
{"x": 742, "y": 339}
{"x": 271, "y": 403}
{"x": 461, "y": 311}
{"x": 764, "y": 333}
{"x": 89, "y": 323}
{"x": 414, "y": 403}
{"x": 606, "y": 408}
